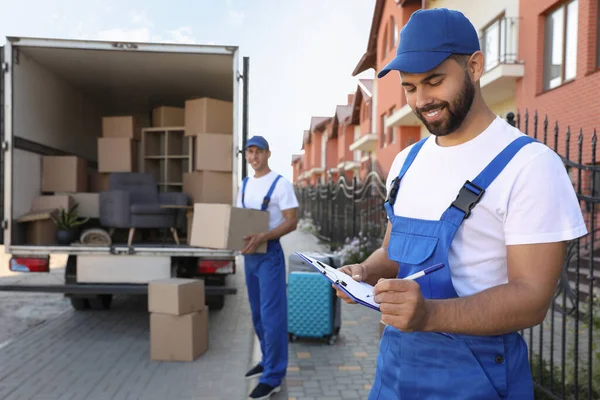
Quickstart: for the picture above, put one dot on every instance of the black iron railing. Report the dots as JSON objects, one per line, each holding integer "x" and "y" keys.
{"x": 564, "y": 350}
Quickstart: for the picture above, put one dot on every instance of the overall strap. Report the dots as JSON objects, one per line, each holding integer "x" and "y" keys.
{"x": 396, "y": 181}
{"x": 267, "y": 198}
{"x": 471, "y": 192}
{"x": 244, "y": 183}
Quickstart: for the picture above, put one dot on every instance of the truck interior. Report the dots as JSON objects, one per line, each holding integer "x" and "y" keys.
{"x": 59, "y": 99}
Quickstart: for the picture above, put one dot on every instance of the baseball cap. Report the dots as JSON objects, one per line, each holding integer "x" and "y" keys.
{"x": 429, "y": 37}
{"x": 258, "y": 141}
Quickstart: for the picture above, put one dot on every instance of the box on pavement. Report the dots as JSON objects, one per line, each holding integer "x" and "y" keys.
{"x": 178, "y": 337}
{"x": 165, "y": 116}
{"x": 222, "y": 226}
{"x": 52, "y": 202}
{"x": 124, "y": 127}
{"x": 117, "y": 155}
{"x": 176, "y": 296}
{"x": 178, "y": 319}
{"x": 209, "y": 186}
{"x": 214, "y": 152}
{"x": 206, "y": 115}
{"x": 64, "y": 174}
{"x": 88, "y": 204}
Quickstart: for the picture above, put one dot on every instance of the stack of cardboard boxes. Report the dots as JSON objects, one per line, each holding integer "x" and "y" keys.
{"x": 118, "y": 146}
{"x": 178, "y": 319}
{"x": 210, "y": 122}
{"x": 64, "y": 179}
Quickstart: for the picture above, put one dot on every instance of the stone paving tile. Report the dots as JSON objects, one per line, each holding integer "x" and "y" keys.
{"x": 344, "y": 370}
{"x": 97, "y": 355}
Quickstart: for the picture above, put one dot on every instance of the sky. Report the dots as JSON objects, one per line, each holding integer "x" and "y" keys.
{"x": 302, "y": 53}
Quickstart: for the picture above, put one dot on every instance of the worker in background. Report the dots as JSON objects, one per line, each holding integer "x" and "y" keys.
{"x": 265, "y": 272}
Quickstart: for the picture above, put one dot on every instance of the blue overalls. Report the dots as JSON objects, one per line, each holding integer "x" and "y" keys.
{"x": 430, "y": 365}
{"x": 265, "y": 281}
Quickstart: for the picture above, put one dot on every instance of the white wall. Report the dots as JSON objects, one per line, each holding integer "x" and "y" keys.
{"x": 47, "y": 110}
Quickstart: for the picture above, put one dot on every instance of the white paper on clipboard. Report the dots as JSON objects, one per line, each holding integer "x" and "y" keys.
{"x": 360, "y": 292}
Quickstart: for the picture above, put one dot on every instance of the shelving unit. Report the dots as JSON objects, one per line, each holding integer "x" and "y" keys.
{"x": 166, "y": 153}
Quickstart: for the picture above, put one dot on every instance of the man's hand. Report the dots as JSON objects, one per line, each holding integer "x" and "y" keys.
{"x": 252, "y": 242}
{"x": 401, "y": 303}
{"x": 358, "y": 272}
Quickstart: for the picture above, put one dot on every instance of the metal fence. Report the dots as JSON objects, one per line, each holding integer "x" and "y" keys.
{"x": 564, "y": 351}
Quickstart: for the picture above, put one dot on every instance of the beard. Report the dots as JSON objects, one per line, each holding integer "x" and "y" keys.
{"x": 457, "y": 109}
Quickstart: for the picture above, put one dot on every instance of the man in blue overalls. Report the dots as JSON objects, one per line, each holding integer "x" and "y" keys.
{"x": 491, "y": 204}
{"x": 265, "y": 272}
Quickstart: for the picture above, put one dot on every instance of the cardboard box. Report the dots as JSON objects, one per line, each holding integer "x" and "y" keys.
{"x": 117, "y": 155}
{"x": 208, "y": 115}
{"x": 88, "y": 204}
{"x": 99, "y": 182}
{"x": 214, "y": 152}
{"x": 40, "y": 230}
{"x": 176, "y": 296}
{"x": 64, "y": 174}
{"x": 209, "y": 187}
{"x": 124, "y": 127}
{"x": 178, "y": 337}
{"x": 165, "y": 116}
{"x": 50, "y": 203}
{"x": 221, "y": 226}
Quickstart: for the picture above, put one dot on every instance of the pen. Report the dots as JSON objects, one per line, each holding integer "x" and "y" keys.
{"x": 424, "y": 272}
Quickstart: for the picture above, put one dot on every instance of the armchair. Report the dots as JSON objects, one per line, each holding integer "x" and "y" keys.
{"x": 133, "y": 201}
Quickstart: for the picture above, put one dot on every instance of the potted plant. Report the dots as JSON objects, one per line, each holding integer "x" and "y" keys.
{"x": 67, "y": 223}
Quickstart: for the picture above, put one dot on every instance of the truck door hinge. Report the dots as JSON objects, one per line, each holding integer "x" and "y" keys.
{"x": 5, "y": 145}
{"x": 239, "y": 76}
{"x": 4, "y": 224}
{"x": 4, "y": 67}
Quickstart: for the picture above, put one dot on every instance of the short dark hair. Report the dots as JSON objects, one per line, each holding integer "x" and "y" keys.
{"x": 461, "y": 59}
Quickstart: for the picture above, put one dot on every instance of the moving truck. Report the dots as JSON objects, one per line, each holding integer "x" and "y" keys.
{"x": 73, "y": 114}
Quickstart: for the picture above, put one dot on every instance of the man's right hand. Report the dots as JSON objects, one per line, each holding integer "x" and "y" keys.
{"x": 358, "y": 272}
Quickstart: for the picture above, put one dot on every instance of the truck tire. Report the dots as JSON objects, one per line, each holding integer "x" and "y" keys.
{"x": 100, "y": 302}
{"x": 215, "y": 302}
{"x": 79, "y": 303}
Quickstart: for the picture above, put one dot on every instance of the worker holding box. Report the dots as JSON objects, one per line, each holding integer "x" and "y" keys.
{"x": 265, "y": 272}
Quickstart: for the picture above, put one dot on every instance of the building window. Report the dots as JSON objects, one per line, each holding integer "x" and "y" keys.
{"x": 394, "y": 34}
{"x": 499, "y": 42}
{"x": 560, "y": 45}
{"x": 382, "y": 132}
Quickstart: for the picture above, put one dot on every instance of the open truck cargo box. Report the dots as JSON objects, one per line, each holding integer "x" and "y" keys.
{"x": 56, "y": 94}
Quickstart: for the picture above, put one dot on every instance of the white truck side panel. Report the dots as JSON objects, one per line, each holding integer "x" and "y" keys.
{"x": 122, "y": 269}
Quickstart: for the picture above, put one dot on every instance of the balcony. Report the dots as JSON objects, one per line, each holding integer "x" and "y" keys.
{"x": 348, "y": 165}
{"x": 367, "y": 143}
{"x": 499, "y": 42}
{"x": 502, "y": 69}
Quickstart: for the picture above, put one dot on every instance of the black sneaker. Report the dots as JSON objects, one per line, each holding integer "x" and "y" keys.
{"x": 263, "y": 391}
{"x": 255, "y": 372}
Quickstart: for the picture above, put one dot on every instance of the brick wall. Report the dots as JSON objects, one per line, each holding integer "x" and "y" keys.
{"x": 574, "y": 104}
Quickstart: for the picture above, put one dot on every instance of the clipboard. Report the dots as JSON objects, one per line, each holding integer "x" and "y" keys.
{"x": 360, "y": 292}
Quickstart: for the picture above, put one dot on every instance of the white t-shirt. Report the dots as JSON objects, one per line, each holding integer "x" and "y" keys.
{"x": 283, "y": 197}
{"x": 531, "y": 201}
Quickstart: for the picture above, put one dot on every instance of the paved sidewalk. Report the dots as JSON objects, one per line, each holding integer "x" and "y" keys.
{"x": 316, "y": 370}
{"x": 97, "y": 355}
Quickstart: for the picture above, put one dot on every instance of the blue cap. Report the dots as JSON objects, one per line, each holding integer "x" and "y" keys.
{"x": 429, "y": 37}
{"x": 258, "y": 141}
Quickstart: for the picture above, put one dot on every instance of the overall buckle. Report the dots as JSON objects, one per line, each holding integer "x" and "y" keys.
{"x": 468, "y": 197}
{"x": 394, "y": 191}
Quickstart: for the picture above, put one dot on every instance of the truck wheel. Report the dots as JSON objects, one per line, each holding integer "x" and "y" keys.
{"x": 79, "y": 303}
{"x": 101, "y": 302}
{"x": 215, "y": 302}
